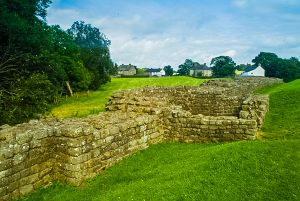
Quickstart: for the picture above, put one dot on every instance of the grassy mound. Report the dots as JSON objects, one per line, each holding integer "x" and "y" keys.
{"x": 84, "y": 104}
{"x": 283, "y": 120}
{"x": 247, "y": 170}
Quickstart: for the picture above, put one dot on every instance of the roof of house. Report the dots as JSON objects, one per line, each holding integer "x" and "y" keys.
{"x": 126, "y": 67}
{"x": 153, "y": 70}
{"x": 201, "y": 67}
{"x": 250, "y": 68}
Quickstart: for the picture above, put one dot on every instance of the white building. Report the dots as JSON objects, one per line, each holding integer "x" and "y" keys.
{"x": 253, "y": 71}
{"x": 155, "y": 72}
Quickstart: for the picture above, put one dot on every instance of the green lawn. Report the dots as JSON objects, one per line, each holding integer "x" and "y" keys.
{"x": 84, "y": 104}
{"x": 284, "y": 119}
{"x": 266, "y": 169}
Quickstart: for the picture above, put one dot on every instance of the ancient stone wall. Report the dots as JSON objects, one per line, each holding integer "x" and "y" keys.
{"x": 210, "y": 101}
{"x": 213, "y": 98}
{"x": 243, "y": 86}
{"x": 36, "y": 153}
{"x": 255, "y": 108}
{"x": 185, "y": 127}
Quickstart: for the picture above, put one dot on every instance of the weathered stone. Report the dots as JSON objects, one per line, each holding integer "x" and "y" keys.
{"x": 26, "y": 189}
{"x": 29, "y": 180}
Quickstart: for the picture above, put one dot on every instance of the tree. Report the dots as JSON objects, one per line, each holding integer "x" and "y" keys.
{"x": 287, "y": 69}
{"x": 19, "y": 18}
{"x": 94, "y": 52}
{"x": 87, "y": 36}
{"x": 38, "y": 60}
{"x": 168, "y": 70}
{"x": 267, "y": 61}
{"x": 114, "y": 69}
{"x": 184, "y": 69}
{"x": 25, "y": 88}
{"x": 223, "y": 66}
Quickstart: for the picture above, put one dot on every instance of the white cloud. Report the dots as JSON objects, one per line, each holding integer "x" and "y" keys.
{"x": 156, "y": 36}
{"x": 230, "y": 53}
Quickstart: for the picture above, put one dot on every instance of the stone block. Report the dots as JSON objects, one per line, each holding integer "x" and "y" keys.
{"x": 244, "y": 114}
{"x": 3, "y": 191}
{"x": 6, "y": 151}
{"x": 12, "y": 186}
{"x": 45, "y": 172}
{"x": 29, "y": 180}
{"x": 251, "y": 132}
{"x": 114, "y": 130}
{"x": 6, "y": 164}
{"x": 24, "y": 190}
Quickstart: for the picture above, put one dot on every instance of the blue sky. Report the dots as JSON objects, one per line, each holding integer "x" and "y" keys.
{"x": 155, "y": 33}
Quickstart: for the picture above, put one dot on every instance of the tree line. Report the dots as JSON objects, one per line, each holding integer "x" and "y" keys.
{"x": 224, "y": 66}
{"x": 40, "y": 63}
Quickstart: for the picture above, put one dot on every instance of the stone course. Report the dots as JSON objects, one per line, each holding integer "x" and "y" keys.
{"x": 72, "y": 150}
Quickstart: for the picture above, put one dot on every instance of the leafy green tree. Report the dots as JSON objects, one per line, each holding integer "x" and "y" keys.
{"x": 19, "y": 18}
{"x": 66, "y": 60}
{"x": 184, "y": 69}
{"x": 27, "y": 97}
{"x": 94, "y": 52}
{"x": 287, "y": 69}
{"x": 223, "y": 66}
{"x": 168, "y": 70}
{"x": 37, "y": 61}
{"x": 87, "y": 36}
{"x": 114, "y": 70}
{"x": 267, "y": 61}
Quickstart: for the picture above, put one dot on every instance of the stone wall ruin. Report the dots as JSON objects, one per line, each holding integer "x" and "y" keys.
{"x": 71, "y": 150}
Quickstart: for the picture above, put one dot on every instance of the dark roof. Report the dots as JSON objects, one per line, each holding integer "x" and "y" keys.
{"x": 153, "y": 70}
{"x": 126, "y": 67}
{"x": 250, "y": 68}
{"x": 201, "y": 67}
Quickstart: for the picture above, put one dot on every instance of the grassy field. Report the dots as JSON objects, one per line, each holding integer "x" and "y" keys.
{"x": 84, "y": 104}
{"x": 266, "y": 169}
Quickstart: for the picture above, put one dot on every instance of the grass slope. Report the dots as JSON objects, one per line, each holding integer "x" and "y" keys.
{"x": 259, "y": 170}
{"x": 246, "y": 170}
{"x": 82, "y": 105}
{"x": 283, "y": 120}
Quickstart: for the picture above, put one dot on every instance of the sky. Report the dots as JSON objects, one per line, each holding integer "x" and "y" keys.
{"x": 156, "y": 33}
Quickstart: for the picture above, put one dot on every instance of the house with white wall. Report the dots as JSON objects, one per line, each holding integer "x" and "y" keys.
{"x": 127, "y": 70}
{"x": 201, "y": 71}
{"x": 254, "y": 71}
{"x": 155, "y": 72}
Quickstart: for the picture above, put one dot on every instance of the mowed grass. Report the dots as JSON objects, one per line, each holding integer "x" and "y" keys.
{"x": 283, "y": 120}
{"x": 246, "y": 170}
{"x": 258, "y": 170}
{"x": 84, "y": 104}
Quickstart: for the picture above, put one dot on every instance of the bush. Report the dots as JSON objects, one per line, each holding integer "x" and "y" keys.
{"x": 28, "y": 98}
